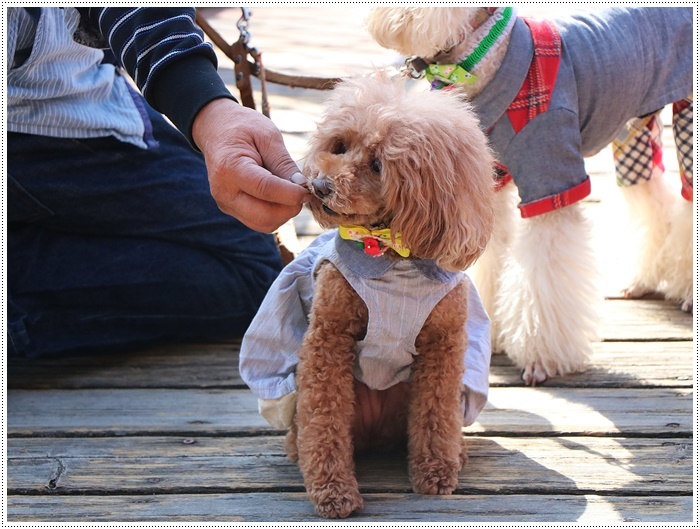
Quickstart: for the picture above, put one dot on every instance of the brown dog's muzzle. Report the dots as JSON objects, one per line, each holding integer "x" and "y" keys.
{"x": 321, "y": 187}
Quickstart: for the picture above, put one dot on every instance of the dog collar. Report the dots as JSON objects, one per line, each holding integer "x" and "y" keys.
{"x": 368, "y": 267}
{"x": 454, "y": 75}
{"x": 374, "y": 242}
{"x": 482, "y": 16}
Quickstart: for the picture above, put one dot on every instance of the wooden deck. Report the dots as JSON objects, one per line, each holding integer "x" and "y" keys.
{"x": 173, "y": 435}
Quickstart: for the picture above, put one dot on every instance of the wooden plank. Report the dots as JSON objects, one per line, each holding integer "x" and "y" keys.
{"x": 523, "y": 410}
{"x": 644, "y": 319}
{"x": 174, "y": 366}
{"x": 561, "y": 411}
{"x": 617, "y": 365}
{"x": 378, "y": 508}
{"x": 503, "y": 465}
{"x": 614, "y": 364}
{"x": 121, "y": 412}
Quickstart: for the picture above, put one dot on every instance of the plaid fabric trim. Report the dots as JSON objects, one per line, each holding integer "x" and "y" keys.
{"x": 533, "y": 99}
{"x": 547, "y": 204}
{"x": 501, "y": 176}
{"x": 637, "y": 151}
{"x": 536, "y": 92}
{"x": 683, "y": 135}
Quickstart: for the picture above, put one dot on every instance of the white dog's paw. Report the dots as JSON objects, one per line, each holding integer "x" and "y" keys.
{"x": 636, "y": 290}
{"x": 534, "y": 374}
{"x": 687, "y": 305}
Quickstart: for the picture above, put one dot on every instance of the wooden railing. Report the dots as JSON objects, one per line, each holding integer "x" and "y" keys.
{"x": 247, "y": 62}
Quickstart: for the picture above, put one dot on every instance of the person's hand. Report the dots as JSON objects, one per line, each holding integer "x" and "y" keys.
{"x": 251, "y": 175}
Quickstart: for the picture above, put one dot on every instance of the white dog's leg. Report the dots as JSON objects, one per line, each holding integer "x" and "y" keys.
{"x": 677, "y": 256}
{"x": 650, "y": 204}
{"x": 548, "y": 298}
{"x": 677, "y": 250}
{"x": 649, "y": 197}
{"x": 665, "y": 257}
{"x": 487, "y": 272}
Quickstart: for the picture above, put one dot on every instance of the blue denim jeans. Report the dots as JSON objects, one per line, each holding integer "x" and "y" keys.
{"x": 110, "y": 247}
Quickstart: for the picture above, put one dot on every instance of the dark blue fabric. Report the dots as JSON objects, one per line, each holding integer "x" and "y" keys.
{"x": 164, "y": 51}
{"x": 111, "y": 246}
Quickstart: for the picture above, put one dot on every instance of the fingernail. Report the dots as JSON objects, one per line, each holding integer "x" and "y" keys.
{"x": 298, "y": 178}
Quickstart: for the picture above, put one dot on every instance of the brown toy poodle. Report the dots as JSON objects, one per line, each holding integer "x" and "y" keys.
{"x": 406, "y": 178}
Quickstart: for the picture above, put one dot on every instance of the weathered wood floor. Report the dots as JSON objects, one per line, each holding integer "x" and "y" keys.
{"x": 172, "y": 434}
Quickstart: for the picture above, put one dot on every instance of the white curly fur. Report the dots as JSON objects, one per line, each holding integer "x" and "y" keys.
{"x": 664, "y": 241}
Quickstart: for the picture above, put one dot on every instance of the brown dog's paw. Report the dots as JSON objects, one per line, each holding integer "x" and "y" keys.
{"x": 435, "y": 476}
{"x": 336, "y": 501}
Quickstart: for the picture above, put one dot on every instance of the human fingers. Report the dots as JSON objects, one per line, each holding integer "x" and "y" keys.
{"x": 262, "y": 184}
{"x": 252, "y": 176}
{"x": 257, "y": 214}
{"x": 276, "y": 159}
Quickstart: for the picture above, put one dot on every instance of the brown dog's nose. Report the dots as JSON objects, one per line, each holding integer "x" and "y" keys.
{"x": 321, "y": 187}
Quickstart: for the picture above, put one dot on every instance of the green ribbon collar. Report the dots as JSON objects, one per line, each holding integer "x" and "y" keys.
{"x": 455, "y": 75}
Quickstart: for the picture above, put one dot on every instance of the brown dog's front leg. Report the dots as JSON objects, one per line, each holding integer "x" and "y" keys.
{"x": 326, "y": 398}
{"x": 435, "y": 441}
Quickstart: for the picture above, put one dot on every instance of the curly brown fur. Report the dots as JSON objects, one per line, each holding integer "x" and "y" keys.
{"x": 435, "y": 442}
{"x": 325, "y": 401}
{"x": 325, "y": 436}
{"x": 419, "y": 164}
{"x": 434, "y": 182}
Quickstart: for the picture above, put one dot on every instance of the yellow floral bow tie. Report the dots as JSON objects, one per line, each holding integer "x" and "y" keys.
{"x": 374, "y": 242}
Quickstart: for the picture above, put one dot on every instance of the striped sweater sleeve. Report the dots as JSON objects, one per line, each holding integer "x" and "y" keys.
{"x": 165, "y": 53}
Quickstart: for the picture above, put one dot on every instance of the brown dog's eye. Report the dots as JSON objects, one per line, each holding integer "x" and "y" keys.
{"x": 376, "y": 166}
{"x": 339, "y": 148}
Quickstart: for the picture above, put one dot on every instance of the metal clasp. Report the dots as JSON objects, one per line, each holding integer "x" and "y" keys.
{"x": 414, "y": 67}
{"x": 242, "y": 24}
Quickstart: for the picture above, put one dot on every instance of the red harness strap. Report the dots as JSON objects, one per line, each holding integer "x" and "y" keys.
{"x": 533, "y": 99}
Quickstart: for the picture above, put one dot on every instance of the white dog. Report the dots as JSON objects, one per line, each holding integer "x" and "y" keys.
{"x": 549, "y": 93}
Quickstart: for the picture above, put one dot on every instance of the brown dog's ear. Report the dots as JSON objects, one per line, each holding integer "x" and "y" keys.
{"x": 439, "y": 186}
